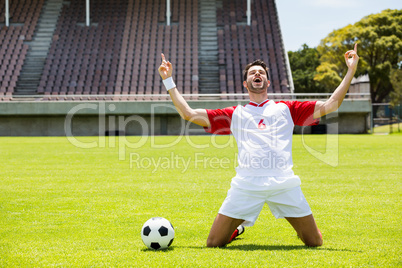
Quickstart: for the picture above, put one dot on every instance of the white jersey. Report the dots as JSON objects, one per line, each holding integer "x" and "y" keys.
{"x": 263, "y": 133}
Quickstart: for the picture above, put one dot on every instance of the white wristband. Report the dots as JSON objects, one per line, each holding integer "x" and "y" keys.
{"x": 169, "y": 84}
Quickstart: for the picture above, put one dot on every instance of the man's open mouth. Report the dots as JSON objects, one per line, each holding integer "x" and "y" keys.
{"x": 257, "y": 82}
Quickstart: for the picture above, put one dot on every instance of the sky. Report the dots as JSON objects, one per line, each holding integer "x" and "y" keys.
{"x": 309, "y": 21}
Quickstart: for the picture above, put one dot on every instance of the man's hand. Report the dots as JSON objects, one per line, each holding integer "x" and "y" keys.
{"x": 165, "y": 69}
{"x": 336, "y": 99}
{"x": 352, "y": 59}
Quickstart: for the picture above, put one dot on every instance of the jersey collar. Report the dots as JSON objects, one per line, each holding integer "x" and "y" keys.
{"x": 252, "y": 103}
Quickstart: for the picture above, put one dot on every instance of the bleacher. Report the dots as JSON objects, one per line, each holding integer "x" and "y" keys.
{"x": 120, "y": 52}
{"x": 24, "y": 17}
{"x": 117, "y": 56}
{"x": 239, "y": 44}
{"x": 114, "y": 62}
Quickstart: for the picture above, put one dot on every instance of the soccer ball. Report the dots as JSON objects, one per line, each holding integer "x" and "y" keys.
{"x": 157, "y": 233}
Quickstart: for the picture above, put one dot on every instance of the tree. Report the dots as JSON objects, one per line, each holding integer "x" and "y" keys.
{"x": 303, "y": 64}
{"x": 380, "y": 48}
{"x": 396, "y": 81}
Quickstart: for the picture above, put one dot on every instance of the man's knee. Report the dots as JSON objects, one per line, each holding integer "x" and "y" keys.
{"x": 215, "y": 243}
{"x": 313, "y": 241}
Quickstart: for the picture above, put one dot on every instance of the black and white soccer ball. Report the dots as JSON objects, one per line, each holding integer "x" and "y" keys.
{"x": 157, "y": 233}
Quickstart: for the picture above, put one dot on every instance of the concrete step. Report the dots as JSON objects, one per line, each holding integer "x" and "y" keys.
{"x": 46, "y": 25}
{"x": 30, "y": 63}
{"x": 48, "y": 19}
{"x": 43, "y": 34}
{"x": 208, "y": 30}
{"x": 38, "y": 44}
{"x": 36, "y": 58}
{"x": 208, "y": 24}
{"x": 212, "y": 30}
{"x": 209, "y": 78}
{"x": 33, "y": 64}
{"x": 30, "y": 77}
{"x": 38, "y": 53}
{"x": 210, "y": 71}
{"x": 208, "y": 37}
{"x": 40, "y": 48}
{"x": 208, "y": 48}
{"x": 27, "y": 87}
{"x": 32, "y": 69}
{"x": 48, "y": 30}
{"x": 208, "y": 33}
{"x": 208, "y": 43}
{"x": 42, "y": 39}
{"x": 210, "y": 86}
{"x": 210, "y": 27}
{"x": 208, "y": 64}
{"x": 207, "y": 16}
{"x": 27, "y": 84}
{"x": 25, "y": 93}
{"x": 209, "y": 91}
{"x": 210, "y": 54}
{"x": 51, "y": 9}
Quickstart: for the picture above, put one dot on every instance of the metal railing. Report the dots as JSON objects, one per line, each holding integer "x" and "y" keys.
{"x": 164, "y": 97}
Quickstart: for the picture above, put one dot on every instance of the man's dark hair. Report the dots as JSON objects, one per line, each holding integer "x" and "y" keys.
{"x": 256, "y": 62}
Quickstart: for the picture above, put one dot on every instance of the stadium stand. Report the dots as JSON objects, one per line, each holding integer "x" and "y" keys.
{"x": 240, "y": 44}
{"x": 117, "y": 56}
{"x": 50, "y": 60}
{"x": 24, "y": 16}
{"x": 120, "y": 52}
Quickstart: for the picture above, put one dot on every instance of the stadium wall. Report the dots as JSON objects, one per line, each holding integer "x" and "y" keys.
{"x": 145, "y": 118}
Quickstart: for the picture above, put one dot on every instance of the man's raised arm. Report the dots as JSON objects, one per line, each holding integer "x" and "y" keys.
{"x": 332, "y": 104}
{"x": 197, "y": 116}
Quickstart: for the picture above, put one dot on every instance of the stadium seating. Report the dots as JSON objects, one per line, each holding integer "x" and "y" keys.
{"x": 240, "y": 44}
{"x": 120, "y": 52}
{"x": 24, "y": 16}
{"x": 118, "y": 55}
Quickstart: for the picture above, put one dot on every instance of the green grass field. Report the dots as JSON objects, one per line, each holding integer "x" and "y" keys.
{"x": 386, "y": 129}
{"x": 61, "y": 205}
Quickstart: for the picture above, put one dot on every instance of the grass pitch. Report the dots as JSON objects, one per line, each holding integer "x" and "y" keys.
{"x": 62, "y": 205}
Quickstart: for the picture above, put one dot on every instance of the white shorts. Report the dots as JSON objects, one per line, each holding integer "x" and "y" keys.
{"x": 247, "y": 205}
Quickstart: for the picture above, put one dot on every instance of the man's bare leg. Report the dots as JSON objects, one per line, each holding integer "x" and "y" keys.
{"x": 221, "y": 230}
{"x": 307, "y": 230}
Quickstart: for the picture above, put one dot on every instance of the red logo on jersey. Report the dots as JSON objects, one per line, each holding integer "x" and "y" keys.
{"x": 261, "y": 124}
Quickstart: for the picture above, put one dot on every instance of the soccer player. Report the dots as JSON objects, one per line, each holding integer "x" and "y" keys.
{"x": 263, "y": 131}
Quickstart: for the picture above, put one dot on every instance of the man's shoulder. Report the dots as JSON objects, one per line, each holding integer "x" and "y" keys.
{"x": 221, "y": 111}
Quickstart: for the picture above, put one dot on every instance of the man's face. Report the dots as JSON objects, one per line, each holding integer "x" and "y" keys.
{"x": 257, "y": 79}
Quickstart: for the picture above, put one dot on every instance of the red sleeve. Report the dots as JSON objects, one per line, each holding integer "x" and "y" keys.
{"x": 220, "y": 120}
{"x": 302, "y": 112}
